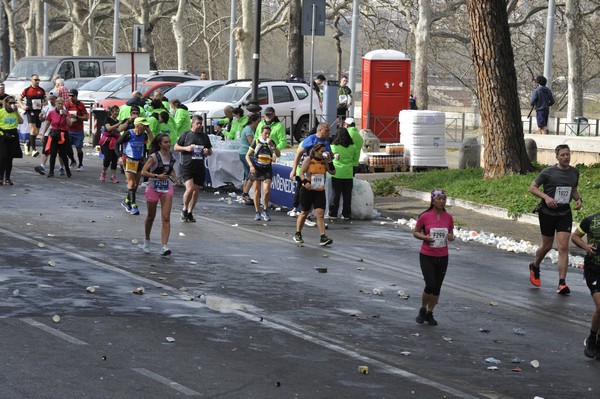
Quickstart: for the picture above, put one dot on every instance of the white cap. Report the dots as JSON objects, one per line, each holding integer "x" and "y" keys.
{"x": 349, "y": 121}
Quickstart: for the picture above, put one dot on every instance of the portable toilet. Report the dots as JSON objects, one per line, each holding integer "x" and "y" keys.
{"x": 385, "y": 92}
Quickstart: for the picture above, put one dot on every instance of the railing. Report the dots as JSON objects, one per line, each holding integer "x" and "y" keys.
{"x": 580, "y": 127}
{"x": 455, "y": 127}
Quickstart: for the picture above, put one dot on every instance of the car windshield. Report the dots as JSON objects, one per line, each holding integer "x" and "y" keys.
{"x": 25, "y": 68}
{"x": 125, "y": 92}
{"x": 97, "y": 83}
{"x": 228, "y": 94}
{"x": 184, "y": 93}
{"x": 118, "y": 83}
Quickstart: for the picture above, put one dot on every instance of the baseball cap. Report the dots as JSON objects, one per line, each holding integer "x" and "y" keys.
{"x": 74, "y": 92}
{"x": 53, "y": 94}
{"x": 269, "y": 111}
{"x": 140, "y": 121}
{"x": 349, "y": 121}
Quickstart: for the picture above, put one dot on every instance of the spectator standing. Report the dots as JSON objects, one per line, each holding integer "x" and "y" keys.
{"x": 344, "y": 155}
{"x": 194, "y": 146}
{"x": 245, "y": 141}
{"x": 3, "y": 95}
{"x": 9, "y": 138}
{"x": 344, "y": 98}
{"x": 260, "y": 159}
{"x": 62, "y": 91}
{"x": 316, "y": 86}
{"x": 554, "y": 211}
{"x": 435, "y": 227}
{"x": 277, "y": 128}
{"x": 78, "y": 114}
{"x": 542, "y": 99}
{"x": 32, "y": 99}
{"x": 356, "y": 138}
{"x": 159, "y": 170}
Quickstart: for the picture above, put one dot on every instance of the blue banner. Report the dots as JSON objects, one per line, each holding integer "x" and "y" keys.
{"x": 282, "y": 188}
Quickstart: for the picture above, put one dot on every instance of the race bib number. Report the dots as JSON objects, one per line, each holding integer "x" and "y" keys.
{"x": 36, "y": 104}
{"x": 562, "y": 195}
{"x": 161, "y": 186}
{"x": 264, "y": 160}
{"x": 440, "y": 237}
{"x": 343, "y": 99}
{"x": 317, "y": 182}
{"x": 131, "y": 166}
{"x": 198, "y": 152}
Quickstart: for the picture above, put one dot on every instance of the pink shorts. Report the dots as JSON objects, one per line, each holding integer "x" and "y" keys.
{"x": 153, "y": 196}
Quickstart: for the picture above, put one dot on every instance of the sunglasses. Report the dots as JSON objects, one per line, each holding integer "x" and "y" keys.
{"x": 71, "y": 95}
{"x": 36, "y": 80}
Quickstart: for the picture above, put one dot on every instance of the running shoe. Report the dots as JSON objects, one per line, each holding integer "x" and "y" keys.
{"x": 50, "y": 174}
{"x": 191, "y": 218}
{"x": 591, "y": 345}
{"x": 257, "y": 216}
{"x": 61, "y": 171}
{"x": 184, "y": 216}
{"x": 35, "y": 153}
{"x": 73, "y": 163}
{"x": 293, "y": 213}
{"x": 9, "y": 182}
{"x": 310, "y": 223}
{"x": 113, "y": 179}
{"x": 298, "y": 238}
{"x": 134, "y": 209}
{"x": 329, "y": 216}
{"x": 40, "y": 169}
{"x": 265, "y": 215}
{"x": 247, "y": 200}
{"x": 102, "y": 177}
{"x": 563, "y": 289}
{"x": 69, "y": 173}
{"x": 125, "y": 204}
{"x": 80, "y": 168}
{"x": 165, "y": 251}
{"x": 325, "y": 241}
{"x": 421, "y": 316}
{"x": 534, "y": 275}
{"x": 430, "y": 320}
{"x": 146, "y": 246}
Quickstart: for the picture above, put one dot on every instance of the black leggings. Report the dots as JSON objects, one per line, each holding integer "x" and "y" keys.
{"x": 110, "y": 157}
{"x": 6, "y": 159}
{"x": 61, "y": 150}
{"x": 434, "y": 271}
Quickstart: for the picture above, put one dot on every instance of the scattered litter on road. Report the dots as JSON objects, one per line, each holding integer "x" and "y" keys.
{"x": 162, "y": 278}
{"x": 448, "y": 339}
{"x": 321, "y": 269}
{"x": 91, "y": 289}
{"x": 101, "y": 245}
{"x": 360, "y": 268}
{"x": 135, "y": 241}
{"x": 405, "y": 353}
{"x": 484, "y": 330}
{"x": 403, "y": 295}
{"x": 517, "y": 369}
{"x": 51, "y": 263}
{"x": 415, "y": 334}
{"x": 494, "y": 303}
{"x": 50, "y": 235}
{"x": 216, "y": 193}
{"x": 202, "y": 298}
{"x": 56, "y": 318}
{"x": 139, "y": 291}
{"x": 164, "y": 294}
{"x": 326, "y": 256}
{"x": 234, "y": 225}
{"x": 492, "y": 360}
{"x": 377, "y": 291}
{"x": 41, "y": 244}
{"x": 193, "y": 263}
{"x": 181, "y": 234}
{"x": 519, "y": 331}
{"x": 535, "y": 364}
{"x": 153, "y": 273}
{"x": 363, "y": 369}
{"x": 253, "y": 261}
{"x": 360, "y": 260}
{"x": 492, "y": 368}
{"x": 515, "y": 360}
{"x": 16, "y": 293}
{"x": 170, "y": 339}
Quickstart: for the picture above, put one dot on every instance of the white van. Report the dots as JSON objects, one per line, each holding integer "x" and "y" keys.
{"x": 67, "y": 67}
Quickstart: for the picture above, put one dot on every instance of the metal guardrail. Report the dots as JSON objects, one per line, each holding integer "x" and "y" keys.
{"x": 580, "y": 127}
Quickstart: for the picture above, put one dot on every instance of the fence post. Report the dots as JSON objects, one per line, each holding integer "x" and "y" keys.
{"x": 292, "y": 128}
{"x": 558, "y": 126}
{"x": 462, "y": 130}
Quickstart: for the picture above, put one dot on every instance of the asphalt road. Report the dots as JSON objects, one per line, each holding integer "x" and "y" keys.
{"x": 272, "y": 326}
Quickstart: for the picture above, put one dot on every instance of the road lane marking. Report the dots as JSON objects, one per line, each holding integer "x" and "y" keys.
{"x": 163, "y": 380}
{"x": 53, "y": 331}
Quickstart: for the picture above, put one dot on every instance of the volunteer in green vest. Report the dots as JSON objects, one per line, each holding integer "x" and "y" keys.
{"x": 236, "y": 125}
{"x": 356, "y": 138}
{"x": 277, "y": 128}
{"x": 181, "y": 115}
{"x": 344, "y": 154}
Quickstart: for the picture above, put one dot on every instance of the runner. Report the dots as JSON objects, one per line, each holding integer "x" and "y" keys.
{"x": 560, "y": 186}
{"x": 134, "y": 141}
{"x": 260, "y": 160}
{"x": 590, "y": 226}
{"x": 159, "y": 169}
{"x": 58, "y": 141}
{"x": 78, "y": 114}
{"x": 110, "y": 135}
{"x": 32, "y": 99}
{"x": 435, "y": 227}
{"x": 312, "y": 190}
{"x": 194, "y": 146}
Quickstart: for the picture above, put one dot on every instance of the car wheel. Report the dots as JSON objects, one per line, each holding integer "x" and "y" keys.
{"x": 301, "y": 129}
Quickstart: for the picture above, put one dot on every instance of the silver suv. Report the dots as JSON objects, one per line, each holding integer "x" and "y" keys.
{"x": 290, "y": 99}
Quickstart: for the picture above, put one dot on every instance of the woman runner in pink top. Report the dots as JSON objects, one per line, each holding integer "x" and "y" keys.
{"x": 435, "y": 227}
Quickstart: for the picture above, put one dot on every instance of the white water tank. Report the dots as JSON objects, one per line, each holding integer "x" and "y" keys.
{"x": 423, "y": 134}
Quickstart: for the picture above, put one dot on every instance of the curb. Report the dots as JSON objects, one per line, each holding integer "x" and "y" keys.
{"x": 487, "y": 210}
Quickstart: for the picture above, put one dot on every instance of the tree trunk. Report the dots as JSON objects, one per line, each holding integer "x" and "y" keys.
{"x": 422, "y": 37}
{"x": 295, "y": 40}
{"x": 244, "y": 38}
{"x": 338, "y": 45}
{"x": 5, "y": 46}
{"x": 575, "y": 84}
{"x": 496, "y": 77}
{"x": 177, "y": 21}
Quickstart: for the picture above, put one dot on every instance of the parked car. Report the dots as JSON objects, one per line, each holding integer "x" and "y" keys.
{"x": 290, "y": 99}
{"x": 67, "y": 67}
{"x": 116, "y": 82}
{"x": 120, "y": 97}
{"x": 195, "y": 90}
